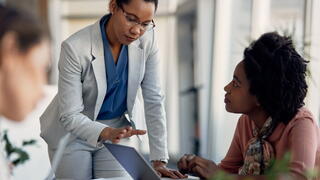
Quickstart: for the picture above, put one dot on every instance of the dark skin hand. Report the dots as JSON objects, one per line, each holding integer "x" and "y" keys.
{"x": 163, "y": 171}
{"x": 201, "y": 167}
{"x": 116, "y": 134}
{"x": 204, "y": 168}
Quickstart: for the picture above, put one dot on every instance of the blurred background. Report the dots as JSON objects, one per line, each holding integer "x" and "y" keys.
{"x": 200, "y": 43}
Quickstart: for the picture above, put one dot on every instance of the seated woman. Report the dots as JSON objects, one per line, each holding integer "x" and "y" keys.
{"x": 268, "y": 89}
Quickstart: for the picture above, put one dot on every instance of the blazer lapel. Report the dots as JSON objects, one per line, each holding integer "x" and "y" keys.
{"x": 98, "y": 66}
{"x": 136, "y": 60}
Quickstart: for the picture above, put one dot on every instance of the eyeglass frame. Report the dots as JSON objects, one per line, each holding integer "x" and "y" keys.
{"x": 136, "y": 22}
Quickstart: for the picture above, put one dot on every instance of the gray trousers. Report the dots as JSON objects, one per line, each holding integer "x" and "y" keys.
{"x": 81, "y": 161}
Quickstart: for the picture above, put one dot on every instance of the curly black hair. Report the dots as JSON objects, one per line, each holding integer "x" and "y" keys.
{"x": 277, "y": 75}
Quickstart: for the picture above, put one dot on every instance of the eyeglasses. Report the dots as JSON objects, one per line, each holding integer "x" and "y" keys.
{"x": 132, "y": 21}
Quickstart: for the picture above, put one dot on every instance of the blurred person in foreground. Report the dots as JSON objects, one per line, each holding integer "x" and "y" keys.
{"x": 268, "y": 89}
{"x": 101, "y": 69}
{"x": 24, "y": 55}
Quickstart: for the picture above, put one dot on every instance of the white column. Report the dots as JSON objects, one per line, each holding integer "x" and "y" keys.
{"x": 220, "y": 65}
{"x": 312, "y": 36}
{"x": 205, "y": 21}
{"x": 54, "y": 16}
{"x": 170, "y": 74}
{"x": 260, "y": 17}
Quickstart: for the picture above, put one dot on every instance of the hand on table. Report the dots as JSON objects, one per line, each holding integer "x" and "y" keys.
{"x": 164, "y": 171}
{"x": 201, "y": 167}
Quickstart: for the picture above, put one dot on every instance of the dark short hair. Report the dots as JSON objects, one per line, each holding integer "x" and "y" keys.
{"x": 120, "y": 2}
{"x": 28, "y": 30}
{"x": 277, "y": 75}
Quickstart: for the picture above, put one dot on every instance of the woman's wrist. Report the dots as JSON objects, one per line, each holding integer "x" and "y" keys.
{"x": 105, "y": 133}
{"x": 157, "y": 163}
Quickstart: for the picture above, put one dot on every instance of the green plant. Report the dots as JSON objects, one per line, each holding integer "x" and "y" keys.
{"x": 16, "y": 154}
{"x": 312, "y": 173}
{"x": 277, "y": 168}
{"x": 221, "y": 175}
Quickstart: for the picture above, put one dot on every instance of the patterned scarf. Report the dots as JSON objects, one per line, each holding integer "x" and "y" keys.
{"x": 259, "y": 151}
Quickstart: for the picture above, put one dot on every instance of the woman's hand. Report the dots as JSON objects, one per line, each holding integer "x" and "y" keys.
{"x": 190, "y": 163}
{"x": 116, "y": 134}
{"x": 202, "y": 167}
{"x": 183, "y": 163}
{"x": 163, "y": 171}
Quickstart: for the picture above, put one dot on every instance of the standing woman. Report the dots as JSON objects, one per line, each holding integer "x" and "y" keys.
{"x": 101, "y": 68}
{"x": 24, "y": 55}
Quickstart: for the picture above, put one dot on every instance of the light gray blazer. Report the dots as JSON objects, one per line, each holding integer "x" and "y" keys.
{"x": 82, "y": 87}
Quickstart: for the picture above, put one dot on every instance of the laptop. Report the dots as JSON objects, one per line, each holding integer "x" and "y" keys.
{"x": 133, "y": 162}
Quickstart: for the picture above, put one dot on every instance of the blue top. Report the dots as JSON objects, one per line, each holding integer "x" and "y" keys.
{"x": 115, "y": 101}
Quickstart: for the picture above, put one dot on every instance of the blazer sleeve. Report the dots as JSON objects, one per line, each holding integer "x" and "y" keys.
{"x": 70, "y": 98}
{"x": 154, "y": 106}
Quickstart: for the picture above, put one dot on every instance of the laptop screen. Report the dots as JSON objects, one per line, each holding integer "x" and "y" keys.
{"x": 132, "y": 162}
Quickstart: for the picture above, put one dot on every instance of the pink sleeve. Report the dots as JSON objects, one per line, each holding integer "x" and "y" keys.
{"x": 233, "y": 159}
{"x": 303, "y": 142}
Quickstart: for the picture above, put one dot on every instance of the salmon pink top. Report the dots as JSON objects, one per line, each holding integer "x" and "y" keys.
{"x": 300, "y": 137}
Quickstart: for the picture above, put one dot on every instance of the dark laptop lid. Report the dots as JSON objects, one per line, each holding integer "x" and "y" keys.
{"x": 132, "y": 162}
